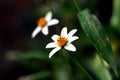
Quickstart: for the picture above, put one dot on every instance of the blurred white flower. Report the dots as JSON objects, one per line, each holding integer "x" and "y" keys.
{"x": 62, "y": 41}
{"x": 43, "y": 24}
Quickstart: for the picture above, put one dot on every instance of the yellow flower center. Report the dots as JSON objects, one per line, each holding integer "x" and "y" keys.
{"x": 42, "y": 22}
{"x": 61, "y": 41}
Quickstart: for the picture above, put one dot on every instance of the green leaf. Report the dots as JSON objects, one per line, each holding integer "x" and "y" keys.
{"x": 94, "y": 30}
{"x": 37, "y": 76}
{"x": 40, "y": 55}
{"x": 41, "y": 75}
{"x": 99, "y": 70}
{"x": 31, "y": 54}
{"x": 115, "y": 19}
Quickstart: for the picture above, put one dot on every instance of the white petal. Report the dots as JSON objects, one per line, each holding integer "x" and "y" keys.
{"x": 54, "y": 51}
{"x": 48, "y": 16}
{"x": 45, "y": 30}
{"x": 64, "y": 31}
{"x": 36, "y": 31}
{"x": 70, "y": 47}
{"x": 55, "y": 37}
{"x": 73, "y": 38}
{"x": 53, "y": 22}
{"x": 72, "y": 32}
{"x": 51, "y": 45}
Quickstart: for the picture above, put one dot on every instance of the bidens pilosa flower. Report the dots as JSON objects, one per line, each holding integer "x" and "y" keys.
{"x": 62, "y": 41}
{"x": 43, "y": 24}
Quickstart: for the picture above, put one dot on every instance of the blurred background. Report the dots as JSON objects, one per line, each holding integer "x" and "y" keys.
{"x": 24, "y": 58}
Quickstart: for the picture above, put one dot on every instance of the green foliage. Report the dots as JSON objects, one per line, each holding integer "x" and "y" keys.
{"x": 37, "y": 76}
{"x": 94, "y": 30}
{"x": 85, "y": 63}
{"x": 115, "y": 19}
{"x": 100, "y": 71}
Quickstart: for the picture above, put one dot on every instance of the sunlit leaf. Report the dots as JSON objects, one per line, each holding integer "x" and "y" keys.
{"x": 115, "y": 19}
{"x": 100, "y": 71}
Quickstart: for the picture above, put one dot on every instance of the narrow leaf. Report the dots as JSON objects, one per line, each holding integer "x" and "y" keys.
{"x": 37, "y": 76}
{"x": 33, "y": 55}
{"x": 94, "y": 30}
{"x": 115, "y": 19}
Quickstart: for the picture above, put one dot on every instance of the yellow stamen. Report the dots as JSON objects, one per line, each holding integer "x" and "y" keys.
{"x": 42, "y": 22}
{"x": 61, "y": 41}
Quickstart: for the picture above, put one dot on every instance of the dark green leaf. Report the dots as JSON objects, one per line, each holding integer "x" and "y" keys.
{"x": 94, "y": 30}
{"x": 37, "y": 76}
{"x": 34, "y": 55}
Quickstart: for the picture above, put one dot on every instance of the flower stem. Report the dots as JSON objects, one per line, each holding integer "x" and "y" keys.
{"x": 80, "y": 66}
{"x": 82, "y": 69}
{"x": 48, "y": 2}
{"x": 76, "y": 4}
{"x": 72, "y": 57}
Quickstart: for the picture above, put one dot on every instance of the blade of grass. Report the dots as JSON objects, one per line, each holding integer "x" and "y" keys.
{"x": 37, "y": 76}
{"x": 115, "y": 19}
{"x": 40, "y": 55}
{"x": 94, "y": 30}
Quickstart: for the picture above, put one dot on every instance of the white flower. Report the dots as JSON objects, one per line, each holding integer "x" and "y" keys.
{"x": 43, "y": 23}
{"x": 62, "y": 41}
